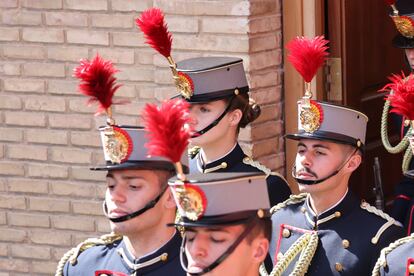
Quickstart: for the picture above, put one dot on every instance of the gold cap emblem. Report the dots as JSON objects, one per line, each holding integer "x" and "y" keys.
{"x": 311, "y": 116}
{"x": 117, "y": 144}
{"x": 192, "y": 200}
{"x": 185, "y": 85}
{"x": 405, "y": 25}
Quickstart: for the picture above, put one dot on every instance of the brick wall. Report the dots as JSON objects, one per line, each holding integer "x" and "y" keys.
{"x": 49, "y": 200}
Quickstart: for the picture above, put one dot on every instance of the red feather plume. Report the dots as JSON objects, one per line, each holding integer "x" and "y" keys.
{"x": 402, "y": 94}
{"x": 97, "y": 81}
{"x": 168, "y": 128}
{"x": 155, "y": 29}
{"x": 307, "y": 55}
{"x": 390, "y": 2}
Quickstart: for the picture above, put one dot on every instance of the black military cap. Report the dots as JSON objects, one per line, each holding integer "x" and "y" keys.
{"x": 403, "y": 17}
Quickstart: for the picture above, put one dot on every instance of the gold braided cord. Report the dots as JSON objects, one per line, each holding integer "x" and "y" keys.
{"x": 73, "y": 254}
{"x": 401, "y": 146}
{"x": 306, "y": 245}
{"x": 382, "y": 260}
{"x": 293, "y": 199}
{"x": 263, "y": 168}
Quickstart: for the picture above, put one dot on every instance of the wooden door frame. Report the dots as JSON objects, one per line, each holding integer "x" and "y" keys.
{"x": 300, "y": 18}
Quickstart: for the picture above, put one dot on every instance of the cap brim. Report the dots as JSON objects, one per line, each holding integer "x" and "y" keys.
{"x": 213, "y": 96}
{"x": 324, "y": 136}
{"x": 402, "y": 42}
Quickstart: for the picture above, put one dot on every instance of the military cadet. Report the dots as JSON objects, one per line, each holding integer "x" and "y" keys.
{"x": 397, "y": 258}
{"x": 138, "y": 203}
{"x": 223, "y": 235}
{"x": 403, "y": 206}
{"x": 330, "y": 141}
{"x": 217, "y": 89}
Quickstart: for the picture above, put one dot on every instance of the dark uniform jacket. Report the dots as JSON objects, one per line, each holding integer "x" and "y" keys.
{"x": 237, "y": 161}
{"x": 397, "y": 259}
{"x": 115, "y": 260}
{"x": 351, "y": 234}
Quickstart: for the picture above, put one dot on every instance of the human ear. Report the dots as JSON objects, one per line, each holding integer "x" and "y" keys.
{"x": 261, "y": 246}
{"x": 235, "y": 116}
{"x": 354, "y": 162}
{"x": 169, "y": 202}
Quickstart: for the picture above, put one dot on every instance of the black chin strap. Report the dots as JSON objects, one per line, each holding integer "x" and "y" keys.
{"x": 214, "y": 123}
{"x": 148, "y": 206}
{"x": 184, "y": 262}
{"x": 317, "y": 181}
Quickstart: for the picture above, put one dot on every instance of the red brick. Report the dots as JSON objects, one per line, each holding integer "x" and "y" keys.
{"x": 262, "y": 60}
{"x": 265, "y": 42}
{"x": 117, "y": 56}
{"x": 72, "y": 189}
{"x": 12, "y": 235}
{"x": 24, "y": 85}
{"x": 73, "y": 223}
{"x": 29, "y": 220}
{"x": 90, "y": 5}
{"x": 44, "y": 69}
{"x": 25, "y": 118}
{"x": 19, "y": 17}
{"x": 47, "y": 136}
{"x": 70, "y": 155}
{"x": 14, "y": 265}
{"x": 47, "y": 204}
{"x": 42, "y": 4}
{"x": 10, "y": 102}
{"x": 45, "y": 103}
{"x": 264, "y": 7}
{"x": 70, "y": 121}
{"x": 11, "y": 168}
{"x": 112, "y": 20}
{"x": 135, "y": 6}
{"x": 9, "y": 34}
{"x": 30, "y": 251}
{"x": 47, "y": 171}
{"x": 24, "y": 52}
{"x": 45, "y": 236}
{"x": 87, "y": 207}
{"x": 27, "y": 186}
{"x": 87, "y": 37}
{"x": 66, "y": 19}
{"x": 63, "y": 53}
{"x": 43, "y": 35}
{"x": 264, "y": 24}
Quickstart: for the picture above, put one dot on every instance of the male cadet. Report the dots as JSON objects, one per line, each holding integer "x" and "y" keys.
{"x": 397, "y": 259}
{"x": 330, "y": 145}
{"x": 403, "y": 206}
{"x": 138, "y": 203}
{"x": 226, "y": 222}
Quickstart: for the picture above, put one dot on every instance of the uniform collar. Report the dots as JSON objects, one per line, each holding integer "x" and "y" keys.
{"x": 158, "y": 257}
{"x": 232, "y": 158}
{"x": 338, "y": 210}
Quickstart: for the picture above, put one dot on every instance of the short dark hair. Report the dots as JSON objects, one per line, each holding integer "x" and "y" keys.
{"x": 263, "y": 226}
{"x": 163, "y": 176}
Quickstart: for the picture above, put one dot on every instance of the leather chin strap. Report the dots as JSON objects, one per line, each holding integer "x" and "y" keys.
{"x": 148, "y": 206}
{"x": 184, "y": 261}
{"x": 214, "y": 123}
{"x": 317, "y": 181}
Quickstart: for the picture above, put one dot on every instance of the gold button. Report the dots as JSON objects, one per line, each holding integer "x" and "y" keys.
{"x": 223, "y": 165}
{"x": 236, "y": 91}
{"x": 286, "y": 233}
{"x": 279, "y": 256}
{"x": 411, "y": 268}
{"x": 303, "y": 209}
{"x": 337, "y": 214}
{"x": 359, "y": 144}
{"x": 345, "y": 243}
{"x": 164, "y": 257}
{"x": 246, "y": 159}
{"x": 260, "y": 213}
{"x": 339, "y": 267}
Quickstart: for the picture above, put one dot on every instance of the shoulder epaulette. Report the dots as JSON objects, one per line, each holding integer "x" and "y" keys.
{"x": 249, "y": 161}
{"x": 382, "y": 260}
{"x": 192, "y": 152}
{"x": 293, "y": 199}
{"x": 73, "y": 254}
{"x": 389, "y": 220}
